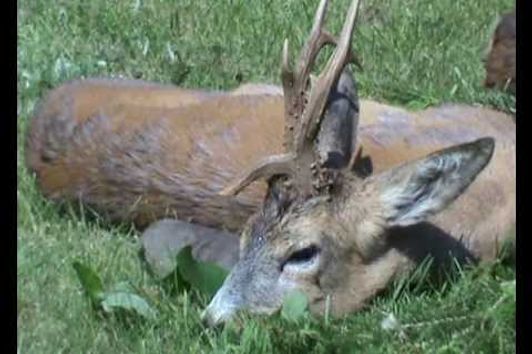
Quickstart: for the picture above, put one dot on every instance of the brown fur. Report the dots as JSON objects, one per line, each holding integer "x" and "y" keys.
{"x": 141, "y": 161}
{"x": 138, "y": 152}
{"x": 500, "y": 63}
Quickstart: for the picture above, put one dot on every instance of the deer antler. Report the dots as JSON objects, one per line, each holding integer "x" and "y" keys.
{"x": 304, "y": 113}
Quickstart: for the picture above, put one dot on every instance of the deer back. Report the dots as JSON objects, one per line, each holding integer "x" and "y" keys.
{"x": 141, "y": 151}
{"x": 138, "y": 151}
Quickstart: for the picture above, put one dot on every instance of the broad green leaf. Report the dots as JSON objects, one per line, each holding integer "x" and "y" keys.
{"x": 123, "y": 287}
{"x": 129, "y": 302}
{"x": 294, "y": 305}
{"x": 206, "y": 277}
{"x": 90, "y": 281}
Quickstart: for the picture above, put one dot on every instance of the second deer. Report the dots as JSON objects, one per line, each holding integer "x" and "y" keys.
{"x": 500, "y": 62}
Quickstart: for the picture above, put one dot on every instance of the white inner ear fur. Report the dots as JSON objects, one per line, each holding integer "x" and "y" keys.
{"x": 422, "y": 194}
{"x": 413, "y": 192}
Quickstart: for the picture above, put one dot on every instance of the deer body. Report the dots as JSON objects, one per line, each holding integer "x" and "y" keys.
{"x": 133, "y": 149}
{"x": 139, "y": 152}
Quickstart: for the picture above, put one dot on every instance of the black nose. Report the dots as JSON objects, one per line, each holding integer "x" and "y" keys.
{"x": 208, "y": 321}
{"x": 489, "y": 84}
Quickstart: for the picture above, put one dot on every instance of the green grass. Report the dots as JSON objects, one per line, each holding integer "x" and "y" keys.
{"x": 415, "y": 53}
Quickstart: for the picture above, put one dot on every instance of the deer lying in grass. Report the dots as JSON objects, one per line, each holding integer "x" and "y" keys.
{"x": 442, "y": 181}
{"x": 500, "y": 62}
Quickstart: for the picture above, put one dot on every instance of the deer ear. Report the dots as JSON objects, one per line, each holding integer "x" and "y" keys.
{"x": 337, "y": 136}
{"x": 414, "y": 191}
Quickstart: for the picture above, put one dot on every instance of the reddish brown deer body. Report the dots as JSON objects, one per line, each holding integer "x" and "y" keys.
{"x": 139, "y": 152}
{"x": 75, "y": 140}
{"x": 500, "y": 63}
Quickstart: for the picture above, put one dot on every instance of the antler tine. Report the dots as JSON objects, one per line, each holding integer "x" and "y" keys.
{"x": 290, "y": 99}
{"x": 287, "y": 75}
{"x": 272, "y": 165}
{"x": 316, "y": 40}
{"x": 319, "y": 17}
{"x": 318, "y": 95}
{"x": 295, "y": 83}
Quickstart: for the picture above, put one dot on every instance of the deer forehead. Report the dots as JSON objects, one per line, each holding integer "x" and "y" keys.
{"x": 295, "y": 228}
{"x": 307, "y": 225}
{"x": 325, "y": 225}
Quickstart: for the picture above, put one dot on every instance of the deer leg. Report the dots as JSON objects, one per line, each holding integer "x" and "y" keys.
{"x": 162, "y": 241}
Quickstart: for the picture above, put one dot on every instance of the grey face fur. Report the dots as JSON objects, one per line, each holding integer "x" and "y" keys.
{"x": 274, "y": 257}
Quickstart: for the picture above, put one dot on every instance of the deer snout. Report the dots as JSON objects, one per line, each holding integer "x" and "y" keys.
{"x": 209, "y": 318}
{"x": 489, "y": 83}
{"x": 222, "y": 308}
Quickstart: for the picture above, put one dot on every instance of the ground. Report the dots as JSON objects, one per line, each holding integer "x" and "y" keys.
{"x": 415, "y": 53}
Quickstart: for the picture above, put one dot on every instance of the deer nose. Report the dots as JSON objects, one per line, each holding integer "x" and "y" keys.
{"x": 211, "y": 318}
{"x": 489, "y": 83}
{"x": 218, "y": 311}
{"x": 207, "y": 319}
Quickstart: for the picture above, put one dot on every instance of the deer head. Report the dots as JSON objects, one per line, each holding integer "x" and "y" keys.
{"x": 321, "y": 229}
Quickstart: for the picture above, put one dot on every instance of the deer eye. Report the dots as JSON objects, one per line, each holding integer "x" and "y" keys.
{"x": 302, "y": 255}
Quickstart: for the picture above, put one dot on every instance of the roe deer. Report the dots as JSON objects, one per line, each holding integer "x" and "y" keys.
{"x": 339, "y": 238}
{"x": 138, "y": 152}
{"x": 500, "y": 62}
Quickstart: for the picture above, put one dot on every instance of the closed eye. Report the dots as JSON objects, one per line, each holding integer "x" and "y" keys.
{"x": 302, "y": 255}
